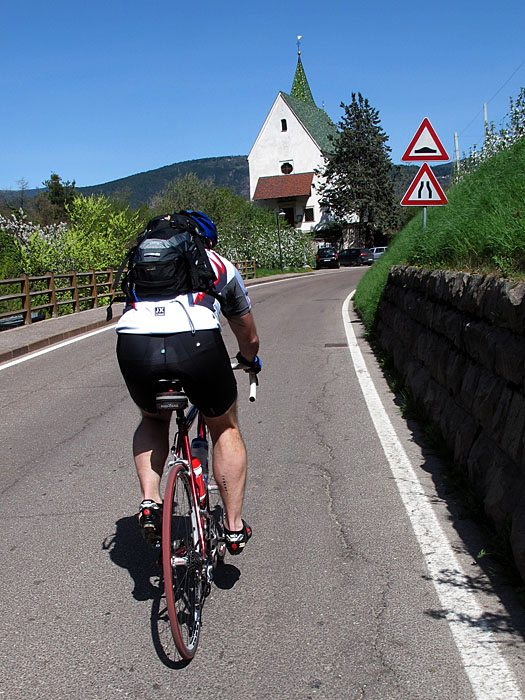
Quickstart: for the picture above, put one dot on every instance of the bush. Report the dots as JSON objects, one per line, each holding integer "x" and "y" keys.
{"x": 10, "y": 256}
{"x": 99, "y": 233}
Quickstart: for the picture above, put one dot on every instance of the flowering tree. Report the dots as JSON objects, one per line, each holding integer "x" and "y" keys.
{"x": 38, "y": 248}
{"x": 496, "y": 141}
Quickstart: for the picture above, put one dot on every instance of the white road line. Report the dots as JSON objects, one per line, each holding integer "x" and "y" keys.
{"x": 488, "y": 673}
{"x": 76, "y": 339}
{"x": 289, "y": 279}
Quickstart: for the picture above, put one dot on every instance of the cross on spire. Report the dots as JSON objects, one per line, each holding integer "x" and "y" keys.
{"x": 300, "y": 88}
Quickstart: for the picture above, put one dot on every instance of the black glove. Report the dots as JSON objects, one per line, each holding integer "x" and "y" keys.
{"x": 253, "y": 367}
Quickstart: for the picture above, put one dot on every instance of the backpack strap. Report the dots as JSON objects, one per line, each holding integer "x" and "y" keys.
{"x": 207, "y": 264}
{"x": 116, "y": 280}
{"x": 204, "y": 256}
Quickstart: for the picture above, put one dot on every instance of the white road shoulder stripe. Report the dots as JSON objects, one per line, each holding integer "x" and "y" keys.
{"x": 488, "y": 673}
{"x": 76, "y": 339}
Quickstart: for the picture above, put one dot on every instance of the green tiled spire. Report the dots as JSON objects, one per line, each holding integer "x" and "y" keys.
{"x": 300, "y": 88}
{"x": 316, "y": 121}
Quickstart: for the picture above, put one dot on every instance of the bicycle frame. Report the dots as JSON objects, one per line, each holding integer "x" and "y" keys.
{"x": 182, "y": 452}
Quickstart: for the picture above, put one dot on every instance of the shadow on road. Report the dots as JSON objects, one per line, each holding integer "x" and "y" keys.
{"x": 128, "y": 550}
{"x": 489, "y": 575}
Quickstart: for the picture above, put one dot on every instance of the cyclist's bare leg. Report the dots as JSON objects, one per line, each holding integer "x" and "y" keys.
{"x": 229, "y": 465}
{"x": 150, "y": 450}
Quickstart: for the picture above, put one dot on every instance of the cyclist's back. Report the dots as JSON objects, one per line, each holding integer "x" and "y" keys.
{"x": 179, "y": 336}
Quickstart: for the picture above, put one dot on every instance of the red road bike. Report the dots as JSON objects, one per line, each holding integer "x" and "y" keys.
{"x": 192, "y": 528}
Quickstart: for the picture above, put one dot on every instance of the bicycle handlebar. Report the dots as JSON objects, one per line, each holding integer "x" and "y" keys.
{"x": 253, "y": 378}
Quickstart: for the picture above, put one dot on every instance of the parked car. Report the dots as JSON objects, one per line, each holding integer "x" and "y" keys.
{"x": 378, "y": 252}
{"x": 356, "y": 256}
{"x": 367, "y": 256}
{"x": 326, "y": 257}
{"x": 350, "y": 256}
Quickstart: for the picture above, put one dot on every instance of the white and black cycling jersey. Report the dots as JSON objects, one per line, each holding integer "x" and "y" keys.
{"x": 193, "y": 311}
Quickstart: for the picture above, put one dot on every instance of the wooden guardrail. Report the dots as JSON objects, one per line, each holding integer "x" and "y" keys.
{"x": 54, "y": 294}
{"x": 247, "y": 269}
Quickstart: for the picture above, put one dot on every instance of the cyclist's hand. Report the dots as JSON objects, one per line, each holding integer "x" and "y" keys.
{"x": 253, "y": 367}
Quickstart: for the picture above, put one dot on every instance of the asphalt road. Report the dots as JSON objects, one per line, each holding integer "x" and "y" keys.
{"x": 333, "y": 598}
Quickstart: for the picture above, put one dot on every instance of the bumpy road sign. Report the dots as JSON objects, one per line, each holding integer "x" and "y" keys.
{"x": 425, "y": 146}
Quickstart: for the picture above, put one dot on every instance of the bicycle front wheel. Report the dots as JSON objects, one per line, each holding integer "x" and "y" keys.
{"x": 182, "y": 562}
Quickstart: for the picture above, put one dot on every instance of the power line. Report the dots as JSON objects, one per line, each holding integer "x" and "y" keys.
{"x": 507, "y": 81}
{"x": 493, "y": 96}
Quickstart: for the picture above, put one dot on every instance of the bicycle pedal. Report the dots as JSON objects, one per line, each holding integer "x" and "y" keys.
{"x": 213, "y": 487}
{"x": 221, "y": 550}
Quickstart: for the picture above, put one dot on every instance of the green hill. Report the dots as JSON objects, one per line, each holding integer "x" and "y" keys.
{"x": 227, "y": 171}
{"x": 481, "y": 229}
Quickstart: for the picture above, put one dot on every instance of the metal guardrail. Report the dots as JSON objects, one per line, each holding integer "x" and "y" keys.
{"x": 29, "y": 299}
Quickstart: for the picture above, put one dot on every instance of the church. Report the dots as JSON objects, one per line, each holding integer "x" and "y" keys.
{"x": 288, "y": 151}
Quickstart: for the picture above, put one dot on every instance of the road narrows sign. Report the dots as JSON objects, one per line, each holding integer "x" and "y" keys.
{"x": 425, "y": 146}
{"x": 424, "y": 191}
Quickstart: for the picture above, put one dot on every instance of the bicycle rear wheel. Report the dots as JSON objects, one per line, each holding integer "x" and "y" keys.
{"x": 182, "y": 563}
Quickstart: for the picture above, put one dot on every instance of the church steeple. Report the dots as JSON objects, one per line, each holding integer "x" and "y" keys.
{"x": 300, "y": 88}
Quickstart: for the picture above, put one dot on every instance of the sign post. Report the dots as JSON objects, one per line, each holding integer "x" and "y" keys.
{"x": 424, "y": 189}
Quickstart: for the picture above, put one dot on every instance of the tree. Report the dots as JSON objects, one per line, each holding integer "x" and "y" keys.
{"x": 23, "y": 184}
{"x": 358, "y": 184}
{"x": 52, "y": 204}
{"x": 187, "y": 192}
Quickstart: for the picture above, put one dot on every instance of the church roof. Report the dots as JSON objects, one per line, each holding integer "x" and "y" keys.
{"x": 277, "y": 186}
{"x": 300, "y": 88}
{"x": 316, "y": 121}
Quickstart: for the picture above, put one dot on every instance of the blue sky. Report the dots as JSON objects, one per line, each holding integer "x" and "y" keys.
{"x": 101, "y": 90}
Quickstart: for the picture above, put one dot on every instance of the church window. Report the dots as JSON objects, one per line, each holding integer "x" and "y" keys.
{"x": 284, "y": 125}
{"x": 286, "y": 168}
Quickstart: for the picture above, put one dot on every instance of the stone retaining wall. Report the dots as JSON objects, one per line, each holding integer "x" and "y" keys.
{"x": 459, "y": 342}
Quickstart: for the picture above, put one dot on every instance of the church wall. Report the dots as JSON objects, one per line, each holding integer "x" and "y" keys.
{"x": 275, "y": 146}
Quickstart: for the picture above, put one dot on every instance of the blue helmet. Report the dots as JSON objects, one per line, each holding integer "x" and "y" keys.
{"x": 206, "y": 226}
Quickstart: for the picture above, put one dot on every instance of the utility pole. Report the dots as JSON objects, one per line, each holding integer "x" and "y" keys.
{"x": 485, "y": 119}
{"x": 456, "y": 147}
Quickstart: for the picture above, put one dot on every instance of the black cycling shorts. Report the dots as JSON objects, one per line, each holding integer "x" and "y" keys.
{"x": 199, "y": 360}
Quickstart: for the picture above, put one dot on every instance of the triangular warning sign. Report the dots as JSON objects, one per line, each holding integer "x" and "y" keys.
{"x": 425, "y": 190}
{"x": 425, "y": 145}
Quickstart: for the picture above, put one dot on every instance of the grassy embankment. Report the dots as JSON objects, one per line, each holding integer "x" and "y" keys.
{"x": 481, "y": 229}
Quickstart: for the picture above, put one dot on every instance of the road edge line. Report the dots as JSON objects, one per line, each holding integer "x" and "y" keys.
{"x": 490, "y": 676}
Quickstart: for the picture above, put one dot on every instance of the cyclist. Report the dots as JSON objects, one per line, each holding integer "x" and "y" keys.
{"x": 181, "y": 337}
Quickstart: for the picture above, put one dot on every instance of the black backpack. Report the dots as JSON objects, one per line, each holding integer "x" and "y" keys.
{"x": 168, "y": 259}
